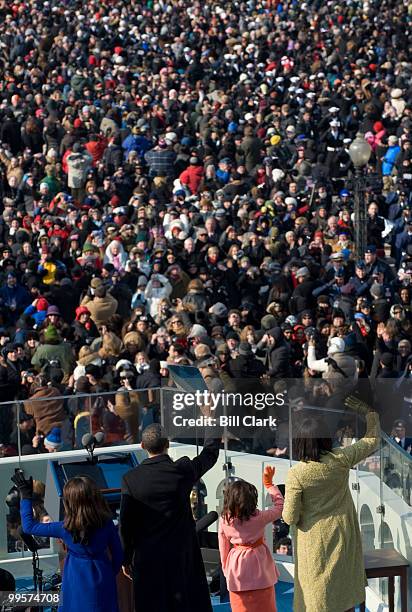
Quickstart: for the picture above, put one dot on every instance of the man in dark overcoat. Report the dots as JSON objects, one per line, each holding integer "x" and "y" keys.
{"x": 162, "y": 553}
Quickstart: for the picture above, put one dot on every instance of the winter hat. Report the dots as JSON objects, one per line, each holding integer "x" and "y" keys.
{"x": 222, "y": 348}
{"x": 124, "y": 364}
{"x": 276, "y": 333}
{"x": 202, "y": 350}
{"x": 54, "y": 438}
{"x": 336, "y": 345}
{"x": 51, "y": 335}
{"x": 132, "y": 337}
{"x": 304, "y": 271}
{"x": 89, "y": 247}
{"x": 197, "y": 330}
{"x": 53, "y": 310}
{"x": 232, "y": 335}
{"x": 219, "y": 310}
{"x": 397, "y": 307}
{"x": 42, "y": 304}
{"x": 86, "y": 355}
{"x": 267, "y": 322}
{"x": 142, "y": 281}
{"x": 80, "y": 310}
{"x": 244, "y": 349}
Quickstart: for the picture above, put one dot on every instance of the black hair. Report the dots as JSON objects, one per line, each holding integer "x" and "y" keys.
{"x": 154, "y": 439}
{"x": 308, "y": 446}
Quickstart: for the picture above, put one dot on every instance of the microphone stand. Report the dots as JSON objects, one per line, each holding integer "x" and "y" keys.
{"x": 90, "y": 449}
{"x": 32, "y": 546}
{"x": 37, "y": 573}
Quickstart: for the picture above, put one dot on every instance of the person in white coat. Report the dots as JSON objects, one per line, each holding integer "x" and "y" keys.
{"x": 338, "y": 368}
{"x": 79, "y": 163}
{"x": 157, "y": 289}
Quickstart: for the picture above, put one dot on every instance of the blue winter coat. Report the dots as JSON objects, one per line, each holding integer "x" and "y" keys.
{"x": 89, "y": 577}
{"x": 389, "y": 160}
{"x": 136, "y": 143}
{"x": 39, "y": 316}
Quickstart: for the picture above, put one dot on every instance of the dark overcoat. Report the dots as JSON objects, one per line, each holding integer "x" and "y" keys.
{"x": 158, "y": 532}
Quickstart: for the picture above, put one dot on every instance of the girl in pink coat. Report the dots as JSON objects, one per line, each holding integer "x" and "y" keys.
{"x": 247, "y": 563}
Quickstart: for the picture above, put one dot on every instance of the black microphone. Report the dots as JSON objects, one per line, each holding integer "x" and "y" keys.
{"x": 99, "y": 437}
{"x": 89, "y": 443}
{"x": 87, "y": 440}
{"x": 29, "y": 541}
{"x": 206, "y": 521}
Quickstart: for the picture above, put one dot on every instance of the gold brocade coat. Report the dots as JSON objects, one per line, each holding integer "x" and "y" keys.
{"x": 329, "y": 568}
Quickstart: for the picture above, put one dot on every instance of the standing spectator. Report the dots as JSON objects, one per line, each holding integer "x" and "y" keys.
{"x": 46, "y": 406}
{"x": 161, "y": 160}
{"x": 101, "y": 305}
{"x": 79, "y": 163}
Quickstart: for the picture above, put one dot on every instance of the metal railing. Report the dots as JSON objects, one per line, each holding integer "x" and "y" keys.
{"x": 380, "y": 485}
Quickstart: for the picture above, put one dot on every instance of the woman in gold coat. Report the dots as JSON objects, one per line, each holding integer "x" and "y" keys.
{"x": 329, "y": 568}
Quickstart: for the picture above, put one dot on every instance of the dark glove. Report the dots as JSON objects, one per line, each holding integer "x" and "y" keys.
{"x": 25, "y": 487}
{"x": 356, "y": 404}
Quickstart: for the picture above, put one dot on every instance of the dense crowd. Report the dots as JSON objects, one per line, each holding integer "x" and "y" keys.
{"x": 176, "y": 187}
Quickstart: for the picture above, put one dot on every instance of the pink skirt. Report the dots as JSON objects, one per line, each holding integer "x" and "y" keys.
{"x": 260, "y": 600}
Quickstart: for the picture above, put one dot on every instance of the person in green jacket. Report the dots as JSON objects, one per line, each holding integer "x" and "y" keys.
{"x": 51, "y": 181}
{"x": 329, "y": 567}
{"x": 53, "y": 348}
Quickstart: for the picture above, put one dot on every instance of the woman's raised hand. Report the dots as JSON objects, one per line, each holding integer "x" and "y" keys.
{"x": 357, "y": 405}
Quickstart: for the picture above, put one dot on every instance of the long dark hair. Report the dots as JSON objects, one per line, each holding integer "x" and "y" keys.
{"x": 85, "y": 508}
{"x": 239, "y": 501}
{"x": 309, "y": 445}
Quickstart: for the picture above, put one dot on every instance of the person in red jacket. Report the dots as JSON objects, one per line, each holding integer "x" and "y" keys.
{"x": 96, "y": 147}
{"x": 192, "y": 176}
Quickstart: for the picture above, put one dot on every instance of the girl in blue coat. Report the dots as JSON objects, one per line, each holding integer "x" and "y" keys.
{"x": 89, "y": 576}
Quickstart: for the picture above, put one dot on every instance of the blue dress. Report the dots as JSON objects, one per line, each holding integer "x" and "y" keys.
{"x": 89, "y": 576}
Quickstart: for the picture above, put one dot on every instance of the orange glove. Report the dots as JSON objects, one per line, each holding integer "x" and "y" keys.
{"x": 268, "y": 474}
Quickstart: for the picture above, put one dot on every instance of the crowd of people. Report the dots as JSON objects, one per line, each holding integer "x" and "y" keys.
{"x": 175, "y": 188}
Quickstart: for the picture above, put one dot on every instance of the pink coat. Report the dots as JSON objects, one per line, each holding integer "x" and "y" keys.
{"x": 249, "y": 569}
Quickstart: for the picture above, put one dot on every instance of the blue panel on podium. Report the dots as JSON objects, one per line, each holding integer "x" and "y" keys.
{"x": 107, "y": 473}
{"x": 114, "y": 472}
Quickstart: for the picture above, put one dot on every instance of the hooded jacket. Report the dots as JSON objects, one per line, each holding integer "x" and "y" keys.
{"x": 278, "y": 356}
{"x": 154, "y": 295}
{"x": 101, "y": 308}
{"x": 47, "y": 409}
{"x": 78, "y": 165}
{"x": 192, "y": 178}
{"x": 338, "y": 368}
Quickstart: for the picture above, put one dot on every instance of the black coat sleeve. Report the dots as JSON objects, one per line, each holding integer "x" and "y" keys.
{"x": 127, "y": 518}
{"x": 209, "y": 455}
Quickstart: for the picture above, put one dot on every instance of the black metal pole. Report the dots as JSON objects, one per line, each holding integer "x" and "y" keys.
{"x": 360, "y": 215}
